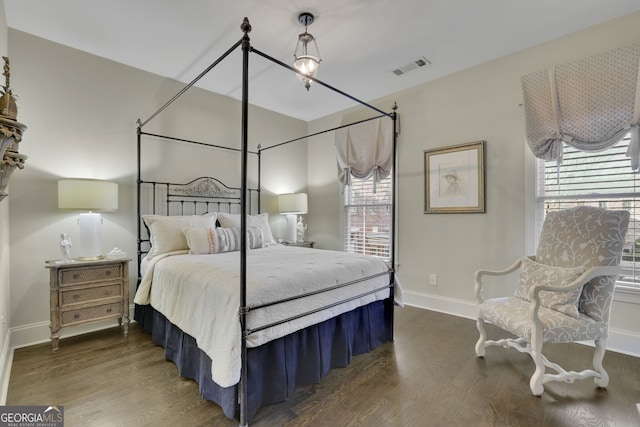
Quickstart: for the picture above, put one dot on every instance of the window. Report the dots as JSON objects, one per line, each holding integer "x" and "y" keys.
{"x": 601, "y": 179}
{"x": 368, "y": 217}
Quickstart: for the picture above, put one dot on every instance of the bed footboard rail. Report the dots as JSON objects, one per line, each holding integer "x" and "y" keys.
{"x": 390, "y": 285}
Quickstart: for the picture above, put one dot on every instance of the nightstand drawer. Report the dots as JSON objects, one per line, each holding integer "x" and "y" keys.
{"x": 74, "y": 296}
{"x": 83, "y": 275}
{"x": 90, "y": 313}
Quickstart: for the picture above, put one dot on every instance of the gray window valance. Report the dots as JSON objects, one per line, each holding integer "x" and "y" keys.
{"x": 590, "y": 104}
{"x": 365, "y": 150}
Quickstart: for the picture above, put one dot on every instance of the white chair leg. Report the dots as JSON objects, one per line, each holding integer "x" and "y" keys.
{"x": 598, "y": 356}
{"x": 483, "y": 337}
{"x": 536, "y": 354}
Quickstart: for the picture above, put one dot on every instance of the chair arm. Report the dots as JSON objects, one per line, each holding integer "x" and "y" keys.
{"x": 593, "y": 272}
{"x": 479, "y": 273}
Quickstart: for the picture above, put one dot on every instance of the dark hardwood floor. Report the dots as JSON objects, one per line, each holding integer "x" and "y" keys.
{"x": 428, "y": 377}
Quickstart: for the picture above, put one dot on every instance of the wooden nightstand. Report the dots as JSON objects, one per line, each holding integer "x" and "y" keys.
{"x": 300, "y": 244}
{"x": 88, "y": 291}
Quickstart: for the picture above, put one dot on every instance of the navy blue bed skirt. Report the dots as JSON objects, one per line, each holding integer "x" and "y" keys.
{"x": 276, "y": 368}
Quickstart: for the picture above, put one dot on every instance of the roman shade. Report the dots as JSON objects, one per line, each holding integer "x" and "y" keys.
{"x": 589, "y": 104}
{"x": 365, "y": 150}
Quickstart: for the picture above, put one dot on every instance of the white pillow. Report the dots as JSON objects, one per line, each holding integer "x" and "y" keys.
{"x": 216, "y": 240}
{"x": 261, "y": 220}
{"x": 536, "y": 274}
{"x": 166, "y": 231}
{"x": 199, "y": 240}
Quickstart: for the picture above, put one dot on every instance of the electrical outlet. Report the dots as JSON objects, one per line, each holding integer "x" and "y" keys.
{"x": 433, "y": 279}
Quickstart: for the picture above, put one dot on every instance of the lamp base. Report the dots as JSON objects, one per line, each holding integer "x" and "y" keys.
{"x": 90, "y": 236}
{"x": 291, "y": 228}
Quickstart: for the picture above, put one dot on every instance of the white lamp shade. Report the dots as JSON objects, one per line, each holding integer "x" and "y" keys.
{"x": 294, "y": 203}
{"x": 87, "y": 194}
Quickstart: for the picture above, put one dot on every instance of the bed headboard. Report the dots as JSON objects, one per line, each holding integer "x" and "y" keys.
{"x": 197, "y": 197}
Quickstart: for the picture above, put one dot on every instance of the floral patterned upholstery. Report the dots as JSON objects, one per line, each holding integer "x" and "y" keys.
{"x": 574, "y": 240}
{"x": 533, "y": 274}
{"x": 512, "y": 314}
{"x": 585, "y": 236}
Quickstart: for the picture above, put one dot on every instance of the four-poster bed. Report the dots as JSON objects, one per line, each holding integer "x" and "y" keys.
{"x": 301, "y": 311}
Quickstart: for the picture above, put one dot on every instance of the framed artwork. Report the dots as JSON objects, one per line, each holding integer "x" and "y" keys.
{"x": 454, "y": 179}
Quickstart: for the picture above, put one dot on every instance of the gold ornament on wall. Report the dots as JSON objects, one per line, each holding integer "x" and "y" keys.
{"x": 10, "y": 133}
{"x": 8, "y": 107}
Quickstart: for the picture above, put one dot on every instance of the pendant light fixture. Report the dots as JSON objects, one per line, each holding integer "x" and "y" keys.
{"x": 305, "y": 61}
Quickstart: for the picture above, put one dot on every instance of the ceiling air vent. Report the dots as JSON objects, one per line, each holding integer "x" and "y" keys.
{"x": 420, "y": 62}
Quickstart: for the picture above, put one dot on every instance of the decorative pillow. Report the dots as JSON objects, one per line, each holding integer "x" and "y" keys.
{"x": 199, "y": 240}
{"x": 262, "y": 220}
{"x": 211, "y": 240}
{"x": 255, "y": 237}
{"x": 535, "y": 274}
{"x": 165, "y": 232}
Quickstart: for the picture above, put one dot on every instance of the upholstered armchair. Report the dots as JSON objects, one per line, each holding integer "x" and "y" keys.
{"x": 563, "y": 294}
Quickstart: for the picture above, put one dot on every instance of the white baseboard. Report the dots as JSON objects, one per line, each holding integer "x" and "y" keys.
{"x": 625, "y": 342}
{"x": 455, "y": 307}
{"x": 37, "y": 333}
{"x": 619, "y": 341}
{"x": 6, "y": 359}
{"x": 24, "y": 336}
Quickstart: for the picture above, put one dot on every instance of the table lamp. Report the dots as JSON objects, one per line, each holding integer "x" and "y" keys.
{"x": 88, "y": 195}
{"x": 292, "y": 205}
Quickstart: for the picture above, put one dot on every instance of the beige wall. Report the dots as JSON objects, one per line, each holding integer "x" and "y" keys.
{"x": 81, "y": 112}
{"x": 480, "y": 103}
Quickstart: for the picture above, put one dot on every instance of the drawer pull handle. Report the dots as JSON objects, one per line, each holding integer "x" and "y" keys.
{"x": 76, "y": 316}
{"x": 109, "y": 310}
{"x": 76, "y": 296}
{"x": 107, "y": 273}
{"x": 76, "y": 276}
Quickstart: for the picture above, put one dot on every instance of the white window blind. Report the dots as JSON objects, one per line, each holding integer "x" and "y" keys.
{"x": 368, "y": 217}
{"x": 601, "y": 179}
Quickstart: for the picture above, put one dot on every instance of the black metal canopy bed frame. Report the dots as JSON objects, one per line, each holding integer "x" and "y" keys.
{"x": 270, "y": 371}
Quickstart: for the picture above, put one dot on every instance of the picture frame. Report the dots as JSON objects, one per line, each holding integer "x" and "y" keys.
{"x": 454, "y": 179}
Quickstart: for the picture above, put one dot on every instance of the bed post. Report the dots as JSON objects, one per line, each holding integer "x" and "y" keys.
{"x": 259, "y": 177}
{"x": 242, "y": 390}
{"x": 138, "y": 184}
{"x": 394, "y": 117}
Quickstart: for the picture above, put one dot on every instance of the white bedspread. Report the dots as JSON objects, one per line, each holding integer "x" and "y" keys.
{"x": 200, "y": 294}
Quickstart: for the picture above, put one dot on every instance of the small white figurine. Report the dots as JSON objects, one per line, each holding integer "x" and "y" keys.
{"x": 65, "y": 246}
{"x": 301, "y": 229}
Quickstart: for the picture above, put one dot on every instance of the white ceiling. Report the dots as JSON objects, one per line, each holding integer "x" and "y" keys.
{"x": 361, "y": 41}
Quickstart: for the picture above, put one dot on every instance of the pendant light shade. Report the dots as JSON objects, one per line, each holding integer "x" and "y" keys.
{"x": 306, "y": 56}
